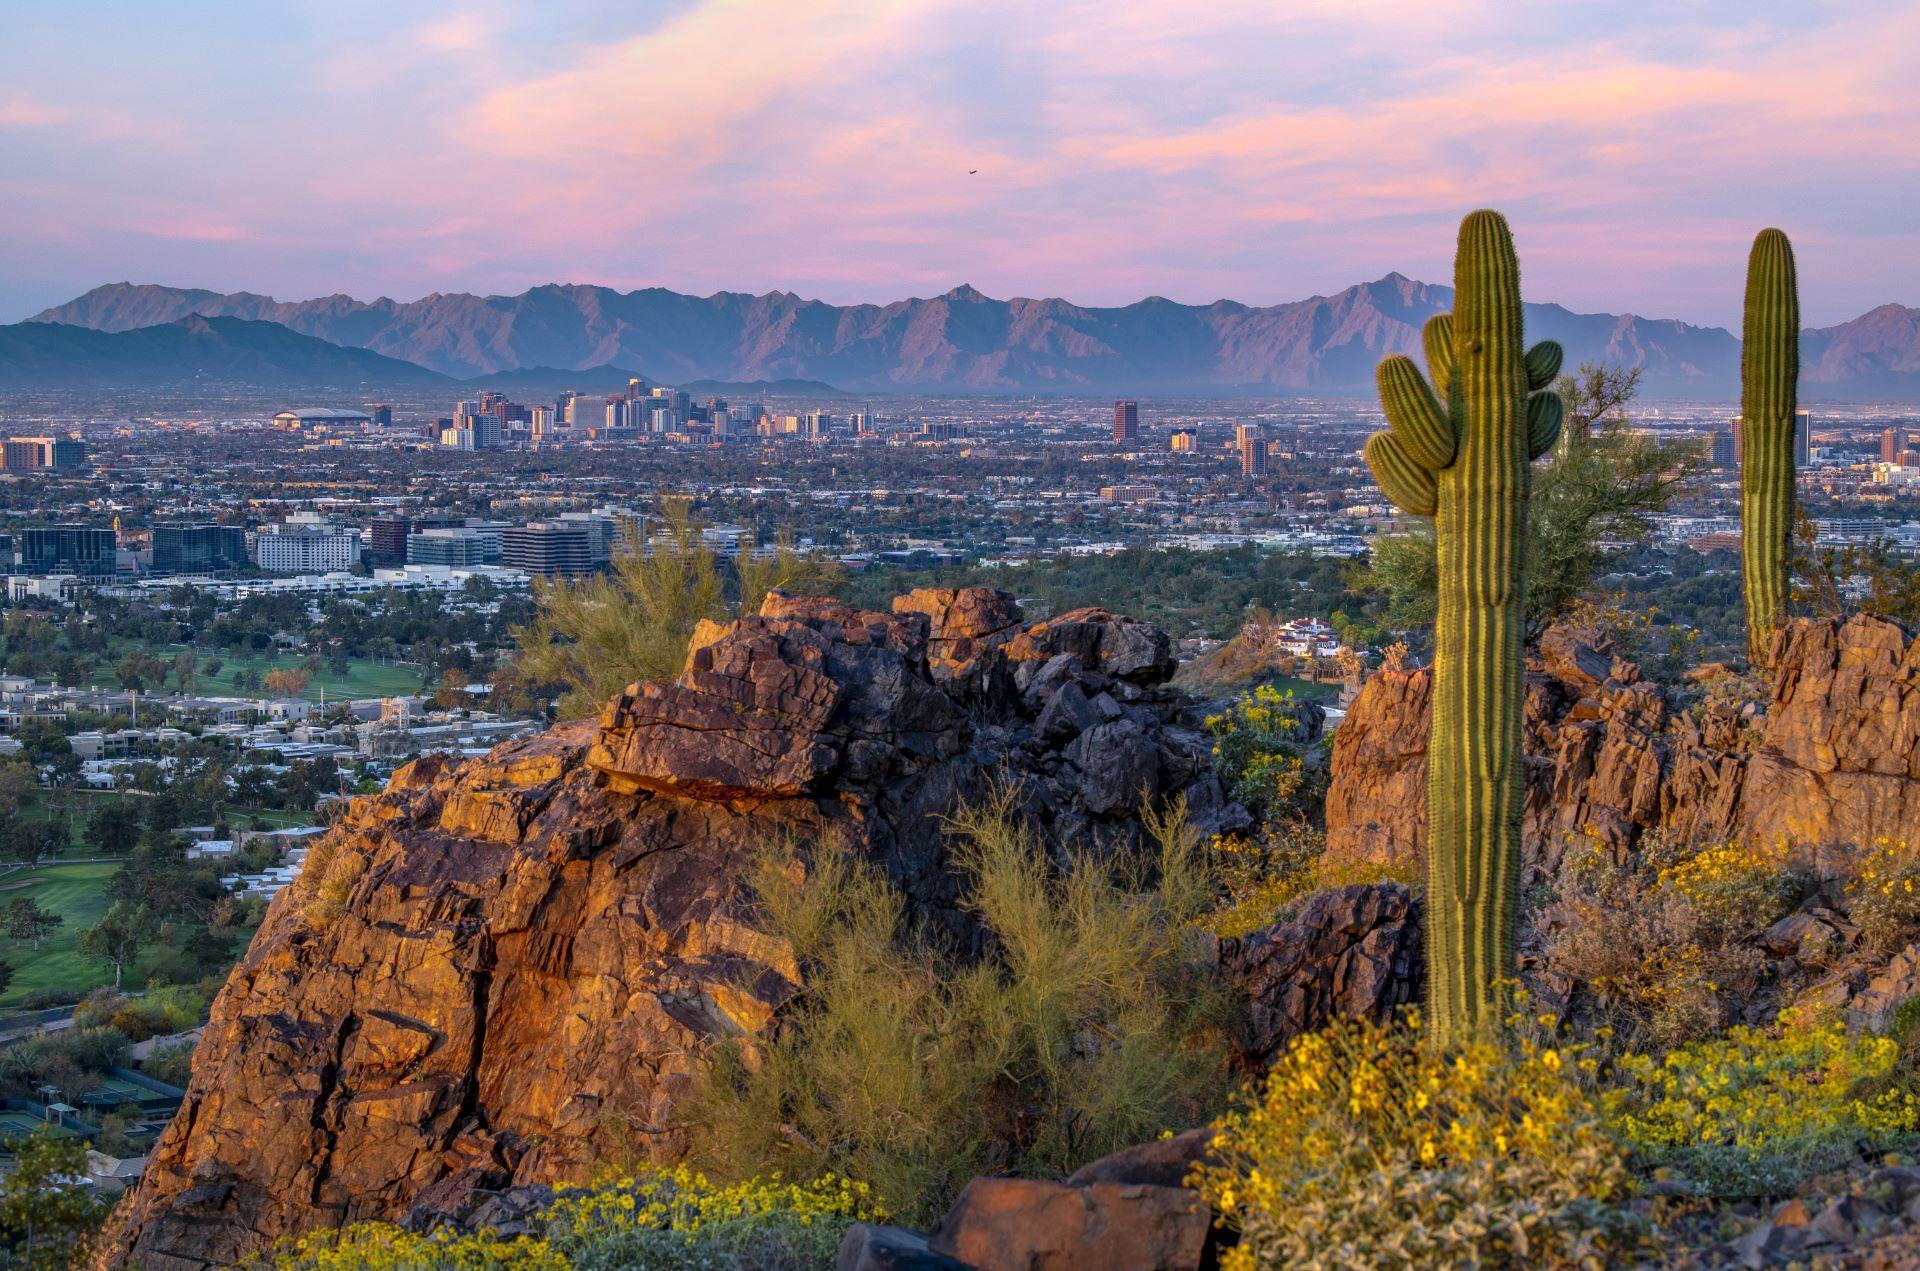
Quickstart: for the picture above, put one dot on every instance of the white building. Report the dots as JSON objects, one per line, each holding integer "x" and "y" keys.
{"x": 305, "y": 544}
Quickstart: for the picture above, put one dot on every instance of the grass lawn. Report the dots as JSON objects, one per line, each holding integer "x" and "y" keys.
{"x": 79, "y": 894}
{"x": 363, "y": 678}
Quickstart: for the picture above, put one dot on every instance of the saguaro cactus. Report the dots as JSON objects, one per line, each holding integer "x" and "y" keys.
{"x": 1459, "y": 451}
{"x": 1769, "y": 381}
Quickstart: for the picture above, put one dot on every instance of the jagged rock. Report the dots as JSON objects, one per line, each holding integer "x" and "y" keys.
{"x": 1162, "y": 1163}
{"x": 1834, "y": 758}
{"x": 1021, "y": 1224}
{"x": 1895, "y": 985}
{"x": 1350, "y": 952}
{"x": 496, "y": 972}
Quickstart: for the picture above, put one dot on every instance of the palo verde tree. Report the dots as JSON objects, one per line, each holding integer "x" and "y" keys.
{"x": 1769, "y": 383}
{"x": 1460, "y": 451}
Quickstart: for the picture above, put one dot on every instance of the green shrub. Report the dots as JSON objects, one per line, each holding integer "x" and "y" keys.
{"x": 1365, "y": 1147}
{"x": 1266, "y": 877}
{"x": 1091, "y": 1022}
{"x": 1885, "y": 894}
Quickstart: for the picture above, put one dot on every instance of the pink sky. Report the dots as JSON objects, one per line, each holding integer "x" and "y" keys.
{"x": 1259, "y": 151}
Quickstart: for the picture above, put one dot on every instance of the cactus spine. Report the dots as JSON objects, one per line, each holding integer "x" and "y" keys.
{"x": 1459, "y": 451}
{"x": 1769, "y": 378}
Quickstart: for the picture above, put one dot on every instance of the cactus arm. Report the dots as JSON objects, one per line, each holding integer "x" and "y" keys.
{"x": 1410, "y": 487}
{"x": 1544, "y": 412}
{"x": 1769, "y": 384}
{"x": 1437, "y": 339}
{"x": 1543, "y": 363}
{"x": 1419, "y": 424}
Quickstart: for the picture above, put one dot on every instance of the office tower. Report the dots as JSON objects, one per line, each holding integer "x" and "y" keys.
{"x": 198, "y": 549}
{"x": 1126, "y": 421}
{"x": 387, "y": 538}
{"x": 488, "y": 432}
{"x": 456, "y": 546}
{"x": 1253, "y": 450}
{"x": 547, "y": 549}
{"x": 542, "y": 421}
{"x": 662, "y": 421}
{"x": 42, "y": 454}
{"x": 818, "y": 424}
{"x": 1802, "y": 438}
{"x": 585, "y": 412}
{"x": 1892, "y": 442}
{"x": 67, "y": 549}
{"x": 1184, "y": 440}
{"x": 615, "y": 413}
{"x": 602, "y": 532}
{"x": 382, "y": 413}
{"x": 1725, "y": 444}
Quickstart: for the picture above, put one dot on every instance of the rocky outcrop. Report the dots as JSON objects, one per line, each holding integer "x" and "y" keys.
{"x": 497, "y": 971}
{"x": 1834, "y": 757}
{"x": 1350, "y": 953}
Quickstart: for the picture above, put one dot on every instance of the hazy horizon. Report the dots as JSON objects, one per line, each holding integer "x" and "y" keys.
{"x": 866, "y": 152}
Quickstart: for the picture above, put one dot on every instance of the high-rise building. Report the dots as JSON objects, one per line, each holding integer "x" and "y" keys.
{"x": 1184, "y": 440}
{"x": 305, "y": 545}
{"x": 1252, "y": 444}
{"x": 1892, "y": 442}
{"x": 198, "y": 549}
{"x": 387, "y": 538}
{"x": 1726, "y": 443}
{"x": 67, "y": 549}
{"x": 547, "y": 549}
{"x": 382, "y": 413}
{"x": 43, "y": 454}
{"x": 1126, "y": 421}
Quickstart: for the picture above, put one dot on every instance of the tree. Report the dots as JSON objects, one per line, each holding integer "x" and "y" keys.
{"x": 114, "y": 828}
{"x": 591, "y": 638}
{"x": 16, "y": 779}
{"x": 27, "y": 921}
{"x": 140, "y": 670}
{"x": 1604, "y": 487}
{"x": 186, "y": 669}
{"x": 47, "y": 1209}
{"x": 287, "y": 682}
{"x": 118, "y": 937}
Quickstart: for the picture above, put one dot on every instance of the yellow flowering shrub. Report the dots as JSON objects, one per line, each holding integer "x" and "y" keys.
{"x": 1733, "y": 888}
{"x": 1885, "y": 894}
{"x": 1363, "y": 1148}
{"x": 1260, "y": 745}
{"x": 1751, "y": 1111}
{"x": 669, "y": 1221}
{"x": 379, "y": 1246}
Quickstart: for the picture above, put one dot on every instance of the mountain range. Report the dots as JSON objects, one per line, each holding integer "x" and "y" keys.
{"x": 964, "y": 341}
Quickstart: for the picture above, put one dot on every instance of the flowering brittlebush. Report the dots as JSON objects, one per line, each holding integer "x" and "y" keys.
{"x": 1885, "y": 893}
{"x": 669, "y": 1221}
{"x": 1752, "y": 1111}
{"x": 1364, "y": 1148}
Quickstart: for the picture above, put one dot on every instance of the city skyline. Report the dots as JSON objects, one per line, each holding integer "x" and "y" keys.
{"x": 868, "y": 152}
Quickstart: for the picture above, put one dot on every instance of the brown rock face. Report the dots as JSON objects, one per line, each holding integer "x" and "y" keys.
{"x": 497, "y": 971}
{"x": 1834, "y": 759}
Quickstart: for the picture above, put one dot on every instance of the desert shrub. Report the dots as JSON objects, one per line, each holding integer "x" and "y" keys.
{"x": 1090, "y": 1022}
{"x": 675, "y": 1221}
{"x": 1365, "y": 1147}
{"x": 1260, "y": 745}
{"x": 1733, "y": 889}
{"x": 1753, "y": 1111}
{"x": 327, "y": 879}
{"x": 171, "y": 1064}
{"x": 1662, "y": 952}
{"x": 1885, "y": 894}
{"x": 1265, "y": 877}
{"x": 173, "y": 1009}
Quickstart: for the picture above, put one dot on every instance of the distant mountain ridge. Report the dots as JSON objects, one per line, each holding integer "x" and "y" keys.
{"x": 194, "y": 349}
{"x": 966, "y": 341}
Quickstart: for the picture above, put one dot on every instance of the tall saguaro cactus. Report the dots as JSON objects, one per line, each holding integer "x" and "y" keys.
{"x": 1769, "y": 381}
{"x": 1459, "y": 451}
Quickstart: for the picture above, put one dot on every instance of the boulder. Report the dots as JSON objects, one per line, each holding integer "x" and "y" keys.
{"x": 1020, "y": 1224}
{"x": 867, "y": 1247}
{"x": 518, "y": 960}
{"x": 1351, "y": 952}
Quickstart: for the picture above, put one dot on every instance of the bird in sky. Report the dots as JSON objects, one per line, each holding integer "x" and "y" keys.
{"x": 972, "y": 171}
